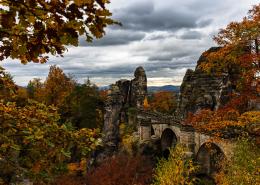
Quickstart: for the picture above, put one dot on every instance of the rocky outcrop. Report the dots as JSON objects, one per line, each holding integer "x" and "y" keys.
{"x": 201, "y": 90}
{"x": 138, "y": 89}
{"x": 122, "y": 95}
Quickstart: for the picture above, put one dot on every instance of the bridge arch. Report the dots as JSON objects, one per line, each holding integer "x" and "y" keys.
{"x": 168, "y": 139}
{"x": 209, "y": 157}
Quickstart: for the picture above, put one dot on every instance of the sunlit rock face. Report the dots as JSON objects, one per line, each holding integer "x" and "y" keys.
{"x": 201, "y": 90}
{"x": 122, "y": 95}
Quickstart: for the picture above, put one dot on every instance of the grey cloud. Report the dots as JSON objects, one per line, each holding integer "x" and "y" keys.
{"x": 168, "y": 56}
{"x": 161, "y": 57}
{"x": 127, "y": 70}
{"x": 141, "y": 8}
{"x": 204, "y": 22}
{"x": 191, "y": 35}
{"x": 114, "y": 37}
{"x": 158, "y": 35}
{"x": 144, "y": 16}
{"x": 158, "y": 20}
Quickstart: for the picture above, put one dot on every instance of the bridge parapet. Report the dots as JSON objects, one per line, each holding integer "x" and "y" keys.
{"x": 156, "y": 123}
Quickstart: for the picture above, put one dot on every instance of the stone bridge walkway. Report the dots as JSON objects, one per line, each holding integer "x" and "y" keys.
{"x": 170, "y": 130}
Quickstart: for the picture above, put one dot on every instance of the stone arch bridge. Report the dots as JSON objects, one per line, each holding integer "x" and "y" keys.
{"x": 170, "y": 131}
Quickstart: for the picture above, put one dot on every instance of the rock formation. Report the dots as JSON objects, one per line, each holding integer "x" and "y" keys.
{"x": 138, "y": 90}
{"x": 121, "y": 95}
{"x": 201, "y": 90}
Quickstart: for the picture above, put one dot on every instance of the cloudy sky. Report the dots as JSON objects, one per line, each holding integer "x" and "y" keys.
{"x": 166, "y": 37}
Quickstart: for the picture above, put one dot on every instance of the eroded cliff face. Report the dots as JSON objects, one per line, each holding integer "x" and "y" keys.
{"x": 122, "y": 95}
{"x": 200, "y": 90}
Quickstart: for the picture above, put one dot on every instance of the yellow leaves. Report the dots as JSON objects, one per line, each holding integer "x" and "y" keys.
{"x": 128, "y": 144}
{"x": 7, "y": 87}
{"x": 176, "y": 170}
{"x": 102, "y": 12}
{"x": 242, "y": 167}
{"x": 36, "y": 130}
{"x": 31, "y": 19}
{"x": 83, "y": 2}
{"x": 249, "y": 117}
{"x": 146, "y": 104}
{"x": 41, "y": 23}
{"x": 57, "y": 86}
{"x": 75, "y": 168}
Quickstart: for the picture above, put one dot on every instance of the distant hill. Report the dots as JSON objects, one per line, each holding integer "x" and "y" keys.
{"x": 164, "y": 88}
{"x": 101, "y": 88}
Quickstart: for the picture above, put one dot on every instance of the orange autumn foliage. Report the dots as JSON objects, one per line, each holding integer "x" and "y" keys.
{"x": 220, "y": 120}
{"x": 163, "y": 101}
{"x": 57, "y": 86}
{"x": 240, "y": 49}
{"x": 239, "y": 57}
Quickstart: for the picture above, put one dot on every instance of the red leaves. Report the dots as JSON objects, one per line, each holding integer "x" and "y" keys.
{"x": 236, "y": 113}
{"x": 121, "y": 169}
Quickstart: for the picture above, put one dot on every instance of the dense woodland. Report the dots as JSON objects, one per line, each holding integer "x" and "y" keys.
{"x": 50, "y": 129}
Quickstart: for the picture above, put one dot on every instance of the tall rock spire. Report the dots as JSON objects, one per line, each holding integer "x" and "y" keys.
{"x": 138, "y": 88}
{"x": 122, "y": 94}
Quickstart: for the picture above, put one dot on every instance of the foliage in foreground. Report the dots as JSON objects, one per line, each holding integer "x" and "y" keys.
{"x": 7, "y": 87}
{"x": 33, "y": 143}
{"x": 122, "y": 169}
{"x": 32, "y": 29}
{"x": 177, "y": 169}
{"x": 243, "y": 167}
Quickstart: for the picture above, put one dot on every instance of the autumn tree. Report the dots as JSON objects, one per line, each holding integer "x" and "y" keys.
{"x": 31, "y": 29}
{"x": 163, "y": 101}
{"x": 35, "y": 145}
{"x": 57, "y": 86}
{"x": 83, "y": 106}
{"x": 240, "y": 46}
{"x": 8, "y": 88}
{"x": 240, "y": 58}
{"x": 34, "y": 142}
{"x": 35, "y": 89}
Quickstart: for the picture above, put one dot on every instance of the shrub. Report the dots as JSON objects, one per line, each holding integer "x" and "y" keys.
{"x": 177, "y": 169}
{"x": 129, "y": 143}
{"x": 243, "y": 167}
{"x": 121, "y": 170}
{"x": 34, "y": 145}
